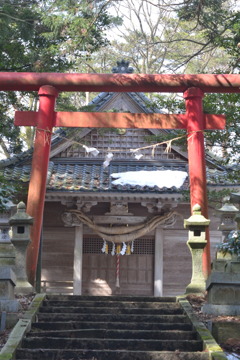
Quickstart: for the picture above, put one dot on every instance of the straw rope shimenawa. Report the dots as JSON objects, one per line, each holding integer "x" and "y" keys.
{"x": 120, "y": 234}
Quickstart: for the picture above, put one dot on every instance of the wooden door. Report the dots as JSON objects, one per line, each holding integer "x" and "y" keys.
{"x": 136, "y": 270}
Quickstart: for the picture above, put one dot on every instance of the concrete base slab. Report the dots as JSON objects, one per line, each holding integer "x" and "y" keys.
{"x": 219, "y": 310}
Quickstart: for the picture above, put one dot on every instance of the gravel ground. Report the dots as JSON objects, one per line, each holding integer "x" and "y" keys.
{"x": 231, "y": 345}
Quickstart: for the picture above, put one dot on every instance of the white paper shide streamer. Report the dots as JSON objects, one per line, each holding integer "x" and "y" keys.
{"x": 91, "y": 150}
{"x": 113, "y": 249}
{"x": 124, "y": 248}
{"x": 108, "y": 159}
{"x": 104, "y": 246}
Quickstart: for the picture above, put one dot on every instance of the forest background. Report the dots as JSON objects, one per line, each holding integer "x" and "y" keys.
{"x": 155, "y": 36}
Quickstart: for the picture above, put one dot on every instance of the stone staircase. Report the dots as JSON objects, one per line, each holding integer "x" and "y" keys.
{"x": 111, "y": 328}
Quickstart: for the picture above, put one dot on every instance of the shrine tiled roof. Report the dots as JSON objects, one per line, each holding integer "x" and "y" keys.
{"x": 90, "y": 176}
{"x": 139, "y": 98}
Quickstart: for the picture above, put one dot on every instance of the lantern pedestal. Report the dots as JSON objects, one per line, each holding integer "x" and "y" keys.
{"x": 7, "y": 284}
{"x": 223, "y": 286}
{"x": 196, "y": 224}
{"x": 198, "y": 283}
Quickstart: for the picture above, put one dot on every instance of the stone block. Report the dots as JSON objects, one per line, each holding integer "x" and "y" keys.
{"x": 235, "y": 267}
{"x": 221, "y": 256}
{"x": 220, "y": 310}
{"x": 6, "y": 273}
{"x": 10, "y": 306}
{"x": 224, "y": 294}
{"x": 223, "y": 330}
{"x": 6, "y": 290}
{"x": 219, "y": 265}
{"x": 23, "y": 287}
{"x": 7, "y": 254}
{"x": 223, "y": 278}
{"x": 7, "y": 283}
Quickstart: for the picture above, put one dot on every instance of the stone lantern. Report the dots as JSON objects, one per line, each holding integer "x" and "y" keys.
{"x": 20, "y": 238}
{"x": 7, "y": 252}
{"x": 227, "y": 217}
{"x": 7, "y": 262}
{"x": 196, "y": 225}
{"x": 223, "y": 284}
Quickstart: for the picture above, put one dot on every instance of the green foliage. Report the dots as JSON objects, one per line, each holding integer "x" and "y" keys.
{"x": 219, "y": 21}
{"x": 202, "y": 10}
{"x": 8, "y": 192}
{"x": 226, "y": 143}
{"x": 49, "y": 36}
{"x": 46, "y": 36}
{"x": 232, "y": 243}
{"x": 215, "y": 197}
{"x": 227, "y": 140}
{"x": 7, "y": 128}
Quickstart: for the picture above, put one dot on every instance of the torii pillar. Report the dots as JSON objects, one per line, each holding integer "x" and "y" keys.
{"x": 197, "y": 163}
{"x": 37, "y": 185}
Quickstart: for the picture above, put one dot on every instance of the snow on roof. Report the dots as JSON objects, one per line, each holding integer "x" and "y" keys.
{"x": 165, "y": 178}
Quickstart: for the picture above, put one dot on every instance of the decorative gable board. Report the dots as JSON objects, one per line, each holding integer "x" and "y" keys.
{"x": 120, "y": 142}
{"x": 123, "y": 102}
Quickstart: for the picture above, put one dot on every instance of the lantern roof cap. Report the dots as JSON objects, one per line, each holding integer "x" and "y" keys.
{"x": 197, "y": 219}
{"x": 21, "y": 217}
{"x": 228, "y": 207}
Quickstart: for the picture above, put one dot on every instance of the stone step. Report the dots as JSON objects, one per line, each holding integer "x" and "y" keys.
{"x": 110, "y": 298}
{"x": 117, "y": 334}
{"x": 111, "y": 304}
{"x": 111, "y": 317}
{"x": 112, "y": 344}
{"x": 111, "y": 328}
{"x": 55, "y": 354}
{"x": 109, "y": 325}
{"x": 114, "y": 311}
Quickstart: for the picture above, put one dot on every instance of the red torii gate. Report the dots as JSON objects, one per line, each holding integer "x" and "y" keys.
{"x": 194, "y": 121}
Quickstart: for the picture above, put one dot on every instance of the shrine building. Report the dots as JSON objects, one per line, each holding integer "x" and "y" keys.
{"x": 78, "y": 254}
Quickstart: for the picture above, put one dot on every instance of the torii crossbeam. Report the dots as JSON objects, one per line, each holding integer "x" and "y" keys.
{"x": 194, "y": 121}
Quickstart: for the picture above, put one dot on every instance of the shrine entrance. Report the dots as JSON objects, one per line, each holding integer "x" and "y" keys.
{"x": 136, "y": 271}
{"x": 194, "y": 121}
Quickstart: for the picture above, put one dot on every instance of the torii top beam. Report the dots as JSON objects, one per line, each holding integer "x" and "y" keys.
{"x": 208, "y": 83}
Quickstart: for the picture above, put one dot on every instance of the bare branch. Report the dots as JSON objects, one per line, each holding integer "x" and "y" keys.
{"x": 27, "y": 21}
{"x": 4, "y": 148}
{"x": 178, "y": 40}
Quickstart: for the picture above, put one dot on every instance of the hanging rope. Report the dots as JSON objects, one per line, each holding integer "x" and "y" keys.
{"x": 118, "y": 272}
{"x": 119, "y": 234}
